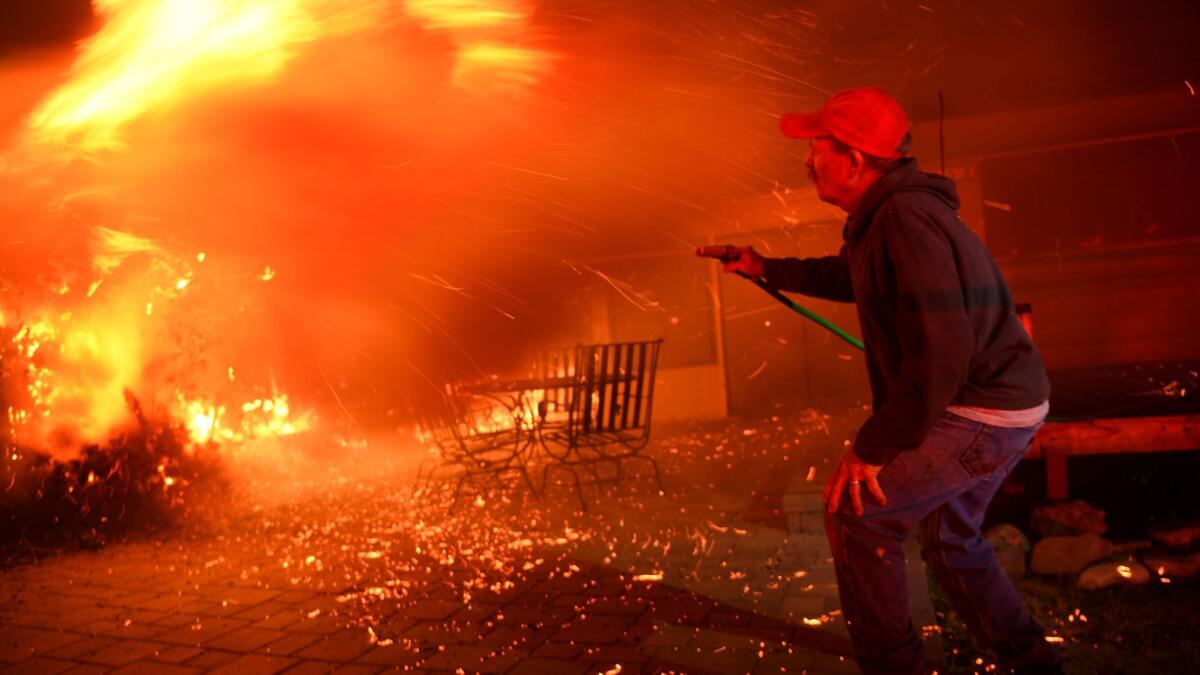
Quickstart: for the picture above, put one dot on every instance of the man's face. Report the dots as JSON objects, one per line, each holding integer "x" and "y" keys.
{"x": 829, "y": 170}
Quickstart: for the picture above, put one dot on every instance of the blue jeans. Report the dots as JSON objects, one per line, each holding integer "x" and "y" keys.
{"x": 943, "y": 488}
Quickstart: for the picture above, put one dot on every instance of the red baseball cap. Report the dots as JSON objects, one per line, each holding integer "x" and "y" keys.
{"x": 865, "y": 118}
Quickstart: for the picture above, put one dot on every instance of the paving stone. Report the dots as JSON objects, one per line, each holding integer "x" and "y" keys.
{"x": 473, "y": 659}
{"x": 780, "y": 661}
{"x": 311, "y": 668}
{"x": 175, "y": 654}
{"x": 245, "y": 639}
{"x": 558, "y": 651}
{"x": 344, "y": 645}
{"x": 87, "y": 669}
{"x": 211, "y": 658}
{"x": 38, "y": 665}
{"x": 201, "y": 631}
{"x": 248, "y": 596}
{"x": 541, "y": 666}
{"x": 828, "y": 663}
{"x": 279, "y": 620}
{"x": 356, "y": 669}
{"x": 804, "y": 606}
{"x": 80, "y": 648}
{"x": 594, "y": 630}
{"x": 37, "y": 642}
{"x": 255, "y": 664}
{"x": 290, "y": 643}
{"x": 391, "y": 655}
{"x": 322, "y": 624}
{"x": 264, "y": 611}
{"x": 122, "y": 652}
{"x": 153, "y": 668}
{"x": 432, "y": 610}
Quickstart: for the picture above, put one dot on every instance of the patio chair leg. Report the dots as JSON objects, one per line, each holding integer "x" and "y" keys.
{"x": 458, "y": 488}
{"x": 657, "y": 475}
{"x": 525, "y": 475}
{"x": 424, "y": 479}
{"x": 574, "y": 475}
{"x": 578, "y": 489}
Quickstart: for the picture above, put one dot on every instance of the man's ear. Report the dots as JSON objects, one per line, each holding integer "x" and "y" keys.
{"x": 857, "y": 163}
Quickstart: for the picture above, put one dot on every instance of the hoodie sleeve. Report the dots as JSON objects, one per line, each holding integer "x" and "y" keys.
{"x": 827, "y": 277}
{"x": 934, "y": 334}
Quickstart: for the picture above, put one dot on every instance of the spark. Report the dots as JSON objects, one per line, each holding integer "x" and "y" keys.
{"x": 529, "y": 171}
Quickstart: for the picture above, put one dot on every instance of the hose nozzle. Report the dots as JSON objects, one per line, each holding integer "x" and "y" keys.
{"x": 723, "y": 252}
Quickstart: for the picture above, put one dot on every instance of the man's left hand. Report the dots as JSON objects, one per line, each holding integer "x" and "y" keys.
{"x": 853, "y": 473}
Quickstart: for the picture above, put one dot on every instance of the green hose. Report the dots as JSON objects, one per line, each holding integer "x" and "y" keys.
{"x": 804, "y": 311}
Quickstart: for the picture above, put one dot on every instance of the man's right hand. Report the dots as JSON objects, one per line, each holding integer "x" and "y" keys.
{"x": 748, "y": 262}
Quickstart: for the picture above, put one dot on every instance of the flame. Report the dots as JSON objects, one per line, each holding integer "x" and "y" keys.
{"x": 76, "y": 370}
{"x": 77, "y": 359}
{"x": 491, "y": 34}
{"x": 152, "y": 55}
{"x": 468, "y": 15}
{"x": 261, "y": 418}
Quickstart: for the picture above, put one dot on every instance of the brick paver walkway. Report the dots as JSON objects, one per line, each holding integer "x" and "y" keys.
{"x": 367, "y": 576}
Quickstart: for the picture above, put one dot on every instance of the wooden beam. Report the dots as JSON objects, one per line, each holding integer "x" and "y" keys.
{"x": 1056, "y": 441}
{"x": 1118, "y": 435}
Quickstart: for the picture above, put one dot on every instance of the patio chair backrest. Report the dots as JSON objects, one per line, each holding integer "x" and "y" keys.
{"x": 614, "y": 392}
{"x": 460, "y": 425}
{"x": 555, "y": 363}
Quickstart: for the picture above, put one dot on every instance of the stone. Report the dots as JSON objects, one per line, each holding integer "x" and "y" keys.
{"x": 1012, "y": 560}
{"x": 1111, "y": 573}
{"x": 1068, "y": 519}
{"x": 1068, "y": 555}
{"x": 1008, "y": 535}
{"x": 1178, "y": 537}
{"x": 1173, "y": 566}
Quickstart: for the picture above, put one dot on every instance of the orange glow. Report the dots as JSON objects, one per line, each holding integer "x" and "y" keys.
{"x": 78, "y": 366}
{"x": 468, "y": 14}
{"x": 152, "y": 53}
{"x": 498, "y": 66}
{"x": 252, "y": 420}
{"x": 85, "y": 352}
{"x": 491, "y": 35}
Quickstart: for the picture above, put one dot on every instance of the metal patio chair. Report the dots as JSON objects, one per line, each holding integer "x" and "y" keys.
{"x": 607, "y": 421}
{"x": 475, "y": 437}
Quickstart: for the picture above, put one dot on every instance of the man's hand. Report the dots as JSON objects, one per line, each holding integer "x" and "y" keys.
{"x": 748, "y": 262}
{"x": 852, "y": 472}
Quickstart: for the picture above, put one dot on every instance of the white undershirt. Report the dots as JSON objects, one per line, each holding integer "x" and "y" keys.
{"x": 1013, "y": 419}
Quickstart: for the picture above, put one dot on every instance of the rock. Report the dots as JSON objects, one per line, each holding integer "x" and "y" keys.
{"x": 1178, "y": 537}
{"x": 1008, "y": 535}
{"x": 1110, "y": 573}
{"x": 1066, "y": 520}
{"x": 1173, "y": 566}
{"x": 1011, "y": 546}
{"x": 1012, "y": 560}
{"x": 1068, "y": 555}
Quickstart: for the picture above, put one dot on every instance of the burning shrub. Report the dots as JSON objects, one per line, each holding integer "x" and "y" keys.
{"x": 143, "y": 478}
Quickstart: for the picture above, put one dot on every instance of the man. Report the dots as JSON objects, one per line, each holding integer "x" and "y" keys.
{"x": 959, "y": 389}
